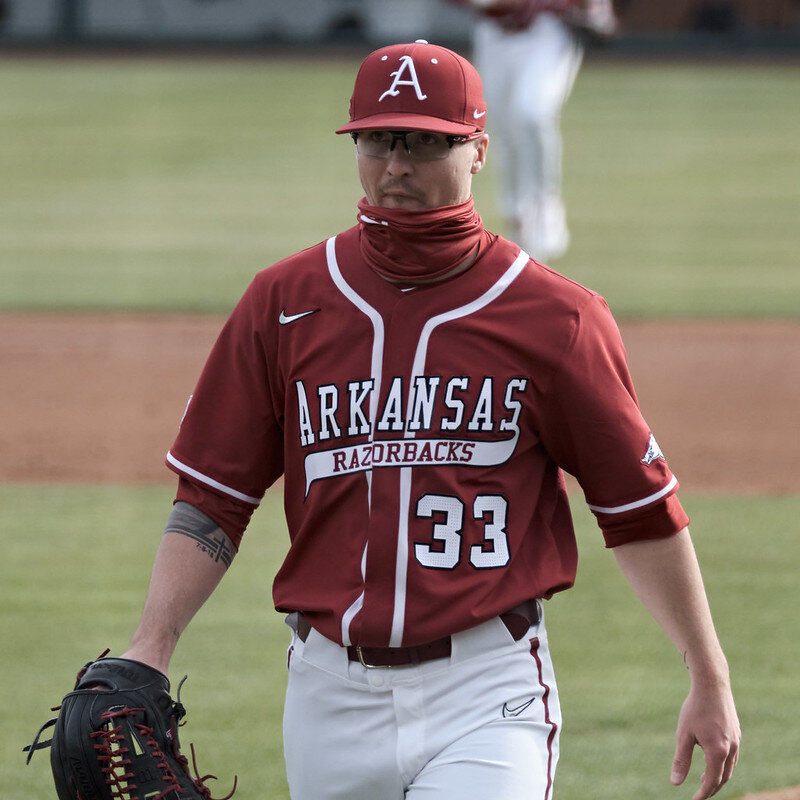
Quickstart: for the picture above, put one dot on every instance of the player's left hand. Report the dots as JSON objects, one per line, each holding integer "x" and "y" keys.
{"x": 708, "y": 718}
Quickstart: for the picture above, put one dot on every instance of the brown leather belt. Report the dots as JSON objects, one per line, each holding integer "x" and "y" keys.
{"x": 518, "y": 620}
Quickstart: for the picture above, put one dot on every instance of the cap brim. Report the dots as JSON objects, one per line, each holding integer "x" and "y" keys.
{"x": 408, "y": 122}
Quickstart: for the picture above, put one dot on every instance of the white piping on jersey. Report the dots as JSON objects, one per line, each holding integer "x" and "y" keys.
{"x": 417, "y": 369}
{"x": 211, "y": 482}
{"x": 350, "y": 614}
{"x": 637, "y": 503}
{"x": 376, "y": 369}
{"x": 401, "y": 564}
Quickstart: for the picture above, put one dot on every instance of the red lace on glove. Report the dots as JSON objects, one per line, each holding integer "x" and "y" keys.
{"x": 113, "y": 750}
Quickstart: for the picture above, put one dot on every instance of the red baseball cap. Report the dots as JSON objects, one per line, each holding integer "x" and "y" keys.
{"x": 417, "y": 86}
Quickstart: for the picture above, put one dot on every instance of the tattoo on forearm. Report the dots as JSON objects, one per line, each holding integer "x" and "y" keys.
{"x": 189, "y": 521}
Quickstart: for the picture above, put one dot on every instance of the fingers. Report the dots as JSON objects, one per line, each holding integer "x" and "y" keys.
{"x": 682, "y": 761}
{"x": 718, "y": 774}
{"x": 731, "y": 763}
{"x": 719, "y": 768}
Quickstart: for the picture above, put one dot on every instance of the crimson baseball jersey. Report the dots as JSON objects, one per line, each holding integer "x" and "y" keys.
{"x": 421, "y": 434}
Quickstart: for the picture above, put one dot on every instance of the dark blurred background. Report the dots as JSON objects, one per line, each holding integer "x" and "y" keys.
{"x": 646, "y": 25}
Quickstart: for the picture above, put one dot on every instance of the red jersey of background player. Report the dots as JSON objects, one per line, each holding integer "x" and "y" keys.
{"x": 422, "y": 463}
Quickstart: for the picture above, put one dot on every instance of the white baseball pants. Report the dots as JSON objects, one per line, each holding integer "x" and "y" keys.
{"x": 483, "y": 723}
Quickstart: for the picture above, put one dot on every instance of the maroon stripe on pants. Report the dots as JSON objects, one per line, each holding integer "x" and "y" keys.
{"x": 547, "y": 719}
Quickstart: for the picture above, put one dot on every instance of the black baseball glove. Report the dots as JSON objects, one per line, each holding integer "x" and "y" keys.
{"x": 119, "y": 740}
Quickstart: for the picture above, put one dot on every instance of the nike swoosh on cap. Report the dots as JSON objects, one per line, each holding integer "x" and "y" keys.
{"x": 285, "y": 318}
{"x": 478, "y": 114}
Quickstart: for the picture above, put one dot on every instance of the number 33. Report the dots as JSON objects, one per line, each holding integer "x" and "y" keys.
{"x": 491, "y": 508}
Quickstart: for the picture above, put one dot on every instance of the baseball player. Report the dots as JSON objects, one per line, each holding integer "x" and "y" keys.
{"x": 528, "y": 53}
{"x": 421, "y": 383}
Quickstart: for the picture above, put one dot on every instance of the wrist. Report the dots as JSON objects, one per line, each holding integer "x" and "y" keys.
{"x": 153, "y": 653}
{"x": 708, "y": 672}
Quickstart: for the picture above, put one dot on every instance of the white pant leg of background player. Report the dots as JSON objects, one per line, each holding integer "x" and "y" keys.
{"x": 528, "y": 76}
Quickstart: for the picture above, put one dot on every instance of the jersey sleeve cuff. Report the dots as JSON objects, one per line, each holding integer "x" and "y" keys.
{"x": 232, "y": 515}
{"x": 658, "y": 521}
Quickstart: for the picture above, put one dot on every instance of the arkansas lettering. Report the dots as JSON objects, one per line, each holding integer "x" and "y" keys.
{"x": 431, "y": 408}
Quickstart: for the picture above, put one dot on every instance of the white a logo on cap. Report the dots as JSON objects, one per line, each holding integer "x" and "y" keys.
{"x": 406, "y": 66}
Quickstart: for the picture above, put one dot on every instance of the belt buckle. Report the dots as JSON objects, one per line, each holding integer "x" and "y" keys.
{"x": 367, "y": 665}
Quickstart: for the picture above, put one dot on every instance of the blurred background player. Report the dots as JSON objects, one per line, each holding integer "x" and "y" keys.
{"x": 528, "y": 53}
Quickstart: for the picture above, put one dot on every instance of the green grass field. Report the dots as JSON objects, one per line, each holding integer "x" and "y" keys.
{"x": 164, "y": 185}
{"x": 134, "y": 184}
{"x": 621, "y": 682}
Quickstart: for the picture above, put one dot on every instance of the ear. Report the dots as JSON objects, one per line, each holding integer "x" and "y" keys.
{"x": 481, "y": 147}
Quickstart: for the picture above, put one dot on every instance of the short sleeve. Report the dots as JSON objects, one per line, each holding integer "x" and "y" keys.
{"x": 230, "y": 442}
{"x": 593, "y": 428}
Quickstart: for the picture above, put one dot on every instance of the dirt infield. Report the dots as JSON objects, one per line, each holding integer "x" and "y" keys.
{"x": 792, "y": 793}
{"x": 97, "y": 399}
